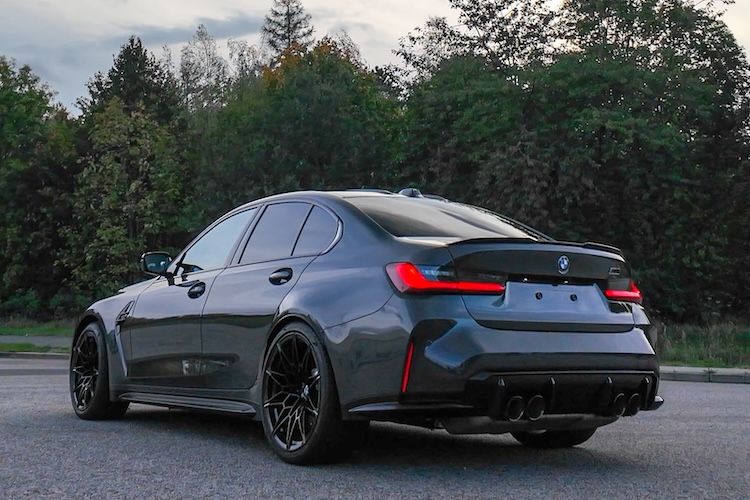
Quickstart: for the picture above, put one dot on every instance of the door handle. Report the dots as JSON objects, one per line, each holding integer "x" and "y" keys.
{"x": 197, "y": 290}
{"x": 280, "y": 276}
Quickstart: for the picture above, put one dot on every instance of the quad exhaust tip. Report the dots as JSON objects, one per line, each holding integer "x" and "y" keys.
{"x": 619, "y": 405}
{"x": 515, "y": 408}
{"x": 535, "y": 408}
{"x": 634, "y": 405}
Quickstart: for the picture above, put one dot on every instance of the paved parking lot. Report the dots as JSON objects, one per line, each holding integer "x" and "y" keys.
{"x": 696, "y": 446}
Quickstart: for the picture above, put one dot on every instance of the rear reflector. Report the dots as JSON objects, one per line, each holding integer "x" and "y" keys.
{"x": 631, "y": 295}
{"x": 407, "y": 367}
{"x": 408, "y": 278}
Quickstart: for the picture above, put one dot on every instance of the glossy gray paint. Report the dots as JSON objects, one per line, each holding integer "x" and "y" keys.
{"x": 207, "y": 351}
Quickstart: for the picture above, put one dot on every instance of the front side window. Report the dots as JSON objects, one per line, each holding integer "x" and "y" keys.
{"x": 212, "y": 250}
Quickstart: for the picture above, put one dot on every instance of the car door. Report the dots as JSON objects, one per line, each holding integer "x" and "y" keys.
{"x": 245, "y": 298}
{"x": 164, "y": 329}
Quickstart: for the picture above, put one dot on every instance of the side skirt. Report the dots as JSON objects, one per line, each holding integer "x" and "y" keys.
{"x": 189, "y": 402}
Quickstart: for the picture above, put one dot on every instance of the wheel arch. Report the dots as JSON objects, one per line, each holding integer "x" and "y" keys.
{"x": 88, "y": 318}
{"x": 293, "y": 317}
{"x": 93, "y": 317}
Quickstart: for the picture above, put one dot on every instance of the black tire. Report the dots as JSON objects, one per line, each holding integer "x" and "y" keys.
{"x": 553, "y": 439}
{"x": 89, "y": 378}
{"x": 301, "y": 414}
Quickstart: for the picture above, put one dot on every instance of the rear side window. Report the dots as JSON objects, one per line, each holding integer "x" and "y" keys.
{"x": 420, "y": 217}
{"x": 317, "y": 234}
{"x": 276, "y": 232}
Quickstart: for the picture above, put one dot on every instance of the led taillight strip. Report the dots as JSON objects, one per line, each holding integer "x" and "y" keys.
{"x": 407, "y": 278}
{"x": 632, "y": 295}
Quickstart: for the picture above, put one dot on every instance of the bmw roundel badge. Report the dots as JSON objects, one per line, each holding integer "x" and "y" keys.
{"x": 563, "y": 264}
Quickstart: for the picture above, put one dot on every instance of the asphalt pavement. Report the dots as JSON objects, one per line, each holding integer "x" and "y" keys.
{"x": 696, "y": 446}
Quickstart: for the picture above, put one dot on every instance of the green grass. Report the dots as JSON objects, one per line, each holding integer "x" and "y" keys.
{"x": 26, "y": 347}
{"x": 719, "y": 345}
{"x": 25, "y": 327}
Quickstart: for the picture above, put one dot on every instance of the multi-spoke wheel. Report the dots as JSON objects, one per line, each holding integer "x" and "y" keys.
{"x": 553, "y": 439}
{"x": 89, "y": 378}
{"x": 301, "y": 414}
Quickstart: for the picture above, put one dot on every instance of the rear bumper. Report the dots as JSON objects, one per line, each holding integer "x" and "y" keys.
{"x": 527, "y": 400}
{"x": 460, "y": 359}
{"x": 457, "y": 376}
{"x": 461, "y": 369}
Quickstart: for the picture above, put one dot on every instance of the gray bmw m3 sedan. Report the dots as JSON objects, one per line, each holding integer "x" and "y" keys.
{"x": 318, "y": 312}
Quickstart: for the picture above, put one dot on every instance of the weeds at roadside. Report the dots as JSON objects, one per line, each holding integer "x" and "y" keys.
{"x": 719, "y": 345}
{"x": 26, "y": 347}
{"x": 25, "y": 327}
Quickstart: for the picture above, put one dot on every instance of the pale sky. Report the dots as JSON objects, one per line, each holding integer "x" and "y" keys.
{"x": 66, "y": 41}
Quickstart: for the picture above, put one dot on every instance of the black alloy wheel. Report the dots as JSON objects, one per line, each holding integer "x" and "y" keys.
{"x": 85, "y": 370}
{"x": 292, "y": 391}
{"x": 554, "y": 439}
{"x": 301, "y": 415}
{"x": 89, "y": 378}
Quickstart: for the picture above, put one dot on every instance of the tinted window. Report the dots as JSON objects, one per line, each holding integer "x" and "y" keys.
{"x": 212, "y": 250}
{"x": 425, "y": 217}
{"x": 276, "y": 232}
{"x": 318, "y": 232}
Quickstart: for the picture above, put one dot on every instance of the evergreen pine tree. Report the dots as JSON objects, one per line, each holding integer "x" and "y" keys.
{"x": 287, "y": 25}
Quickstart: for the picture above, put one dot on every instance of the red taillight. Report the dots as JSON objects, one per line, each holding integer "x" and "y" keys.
{"x": 407, "y": 367}
{"x": 408, "y": 278}
{"x": 631, "y": 295}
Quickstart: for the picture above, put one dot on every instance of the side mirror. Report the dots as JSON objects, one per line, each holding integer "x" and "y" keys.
{"x": 155, "y": 263}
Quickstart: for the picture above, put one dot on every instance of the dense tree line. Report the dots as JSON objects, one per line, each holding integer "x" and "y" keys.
{"x": 625, "y": 122}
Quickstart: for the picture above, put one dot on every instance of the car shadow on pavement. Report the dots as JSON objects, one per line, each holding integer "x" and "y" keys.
{"x": 234, "y": 430}
{"x": 400, "y": 444}
{"x": 390, "y": 446}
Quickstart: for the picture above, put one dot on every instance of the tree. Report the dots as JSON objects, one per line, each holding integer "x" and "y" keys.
{"x": 683, "y": 85}
{"x": 126, "y": 199}
{"x": 138, "y": 80}
{"x": 453, "y": 122}
{"x": 132, "y": 171}
{"x": 316, "y": 121}
{"x": 633, "y": 132}
{"x": 287, "y": 25}
{"x": 509, "y": 33}
{"x": 203, "y": 71}
{"x": 37, "y": 167}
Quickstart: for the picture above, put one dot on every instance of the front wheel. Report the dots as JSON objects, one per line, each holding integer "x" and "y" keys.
{"x": 553, "y": 439}
{"x": 301, "y": 414}
{"x": 89, "y": 378}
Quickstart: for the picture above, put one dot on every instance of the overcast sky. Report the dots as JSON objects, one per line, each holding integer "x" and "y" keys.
{"x": 66, "y": 41}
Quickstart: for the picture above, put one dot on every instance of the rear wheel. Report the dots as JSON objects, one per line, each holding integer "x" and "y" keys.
{"x": 301, "y": 414}
{"x": 89, "y": 378}
{"x": 553, "y": 439}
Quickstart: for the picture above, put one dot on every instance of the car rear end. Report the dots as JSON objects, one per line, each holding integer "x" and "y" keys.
{"x": 517, "y": 332}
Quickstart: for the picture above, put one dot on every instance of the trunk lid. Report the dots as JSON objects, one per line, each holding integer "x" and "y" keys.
{"x": 549, "y": 286}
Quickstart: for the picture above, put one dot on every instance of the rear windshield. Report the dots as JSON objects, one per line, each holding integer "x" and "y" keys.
{"x": 420, "y": 217}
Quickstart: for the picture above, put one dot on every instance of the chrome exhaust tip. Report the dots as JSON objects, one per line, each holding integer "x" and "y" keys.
{"x": 619, "y": 405}
{"x": 515, "y": 408}
{"x": 634, "y": 405}
{"x": 535, "y": 408}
